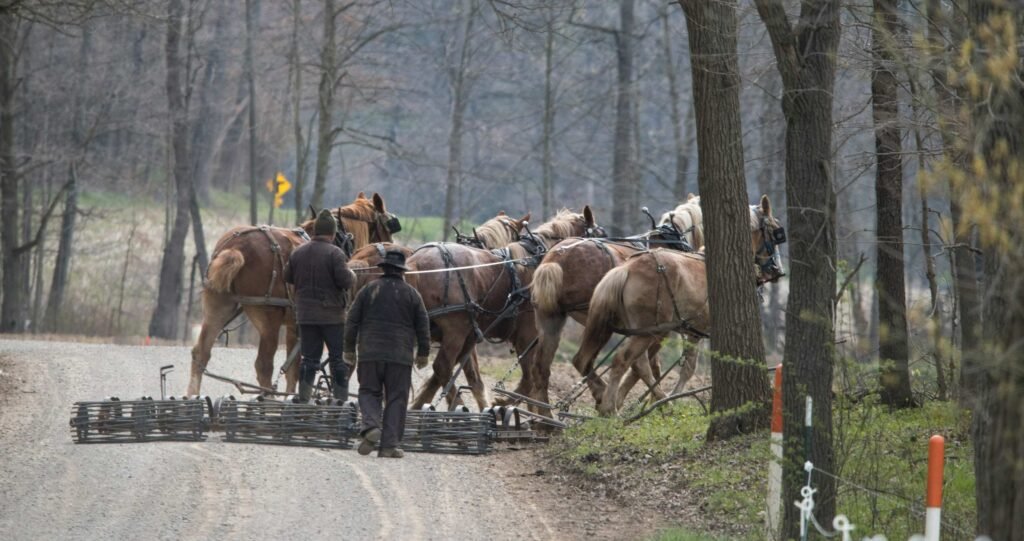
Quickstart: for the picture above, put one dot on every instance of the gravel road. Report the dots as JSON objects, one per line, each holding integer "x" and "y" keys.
{"x": 51, "y": 488}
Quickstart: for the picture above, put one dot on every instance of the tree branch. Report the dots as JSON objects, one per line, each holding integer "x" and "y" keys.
{"x": 773, "y": 13}
{"x": 46, "y": 216}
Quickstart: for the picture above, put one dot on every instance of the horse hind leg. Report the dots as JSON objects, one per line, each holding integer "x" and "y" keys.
{"x": 642, "y": 365}
{"x": 635, "y": 375}
{"x": 268, "y": 323}
{"x": 549, "y": 334}
{"x": 689, "y": 364}
{"x": 476, "y": 382}
{"x": 218, "y": 310}
{"x": 632, "y": 349}
{"x": 451, "y": 346}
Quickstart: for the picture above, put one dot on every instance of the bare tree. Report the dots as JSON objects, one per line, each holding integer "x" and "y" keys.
{"x": 996, "y": 104}
{"x": 805, "y": 55}
{"x": 250, "y": 80}
{"x": 461, "y": 82}
{"x": 740, "y": 395}
{"x": 164, "y": 323}
{"x": 682, "y": 150}
{"x": 893, "y": 353}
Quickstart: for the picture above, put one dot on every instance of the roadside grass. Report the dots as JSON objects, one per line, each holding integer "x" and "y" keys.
{"x": 663, "y": 463}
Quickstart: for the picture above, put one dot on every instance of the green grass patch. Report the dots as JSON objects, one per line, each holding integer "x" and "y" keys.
{"x": 679, "y": 534}
{"x": 665, "y": 453}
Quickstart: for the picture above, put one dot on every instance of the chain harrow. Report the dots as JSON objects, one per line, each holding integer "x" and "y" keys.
{"x": 115, "y": 420}
{"x": 284, "y": 423}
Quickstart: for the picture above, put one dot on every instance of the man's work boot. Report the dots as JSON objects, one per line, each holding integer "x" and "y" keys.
{"x": 305, "y": 392}
{"x": 370, "y": 440}
{"x": 390, "y": 453}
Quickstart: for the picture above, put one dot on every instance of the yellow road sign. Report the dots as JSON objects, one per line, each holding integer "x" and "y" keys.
{"x": 278, "y": 186}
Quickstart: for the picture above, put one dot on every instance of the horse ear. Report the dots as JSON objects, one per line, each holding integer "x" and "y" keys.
{"x": 766, "y": 205}
{"x": 312, "y": 213}
{"x": 588, "y": 215}
{"x": 378, "y": 203}
{"x": 361, "y": 195}
{"x": 690, "y": 196}
{"x": 501, "y": 213}
{"x": 525, "y": 218}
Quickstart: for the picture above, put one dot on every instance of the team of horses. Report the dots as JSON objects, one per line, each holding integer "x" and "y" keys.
{"x": 508, "y": 283}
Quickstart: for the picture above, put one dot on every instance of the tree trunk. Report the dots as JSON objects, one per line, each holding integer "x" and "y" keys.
{"x": 460, "y": 99}
{"x": 11, "y": 313}
{"x": 966, "y": 294}
{"x": 997, "y": 115}
{"x": 328, "y": 77}
{"x": 547, "y": 186}
{"x": 164, "y": 323}
{"x": 211, "y": 102}
{"x": 893, "y": 352}
{"x": 806, "y": 60}
{"x": 737, "y": 359}
{"x": 301, "y": 151}
{"x": 680, "y": 188}
{"x": 45, "y": 188}
{"x": 62, "y": 266}
{"x": 624, "y": 175}
{"x": 250, "y": 76}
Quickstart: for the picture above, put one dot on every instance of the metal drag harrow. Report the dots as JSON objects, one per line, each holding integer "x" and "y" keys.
{"x": 115, "y": 420}
{"x": 451, "y": 432}
{"x": 285, "y": 423}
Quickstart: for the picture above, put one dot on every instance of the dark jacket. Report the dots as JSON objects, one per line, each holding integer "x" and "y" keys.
{"x": 388, "y": 319}
{"x": 321, "y": 276}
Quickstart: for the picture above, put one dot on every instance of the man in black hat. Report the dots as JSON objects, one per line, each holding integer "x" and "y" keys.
{"x": 319, "y": 271}
{"x": 387, "y": 320}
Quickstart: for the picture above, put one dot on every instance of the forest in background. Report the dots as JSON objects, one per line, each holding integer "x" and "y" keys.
{"x": 536, "y": 84}
{"x": 134, "y": 132}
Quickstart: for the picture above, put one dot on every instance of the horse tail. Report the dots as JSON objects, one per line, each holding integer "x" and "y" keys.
{"x": 223, "y": 269}
{"x": 547, "y": 282}
{"x": 605, "y": 305}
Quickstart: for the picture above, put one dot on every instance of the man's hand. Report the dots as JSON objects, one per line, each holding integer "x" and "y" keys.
{"x": 350, "y": 360}
{"x": 421, "y": 362}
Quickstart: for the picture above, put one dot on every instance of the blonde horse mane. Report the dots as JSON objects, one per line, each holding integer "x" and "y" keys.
{"x": 685, "y": 216}
{"x": 357, "y": 217}
{"x": 565, "y": 224}
{"x": 497, "y": 232}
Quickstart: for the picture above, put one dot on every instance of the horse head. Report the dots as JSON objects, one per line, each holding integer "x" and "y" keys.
{"x": 766, "y": 236}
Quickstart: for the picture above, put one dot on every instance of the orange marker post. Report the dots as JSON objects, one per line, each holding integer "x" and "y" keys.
{"x": 933, "y": 500}
{"x": 773, "y": 518}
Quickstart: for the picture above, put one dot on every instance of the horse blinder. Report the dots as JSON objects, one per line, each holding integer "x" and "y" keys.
{"x": 392, "y": 224}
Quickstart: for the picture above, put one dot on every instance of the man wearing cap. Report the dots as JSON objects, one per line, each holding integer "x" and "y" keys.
{"x": 387, "y": 321}
{"x": 319, "y": 271}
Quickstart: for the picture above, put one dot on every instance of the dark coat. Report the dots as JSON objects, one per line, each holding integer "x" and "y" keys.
{"x": 387, "y": 320}
{"x": 321, "y": 276}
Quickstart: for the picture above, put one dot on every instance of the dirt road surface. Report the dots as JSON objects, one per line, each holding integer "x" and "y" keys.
{"x": 51, "y": 488}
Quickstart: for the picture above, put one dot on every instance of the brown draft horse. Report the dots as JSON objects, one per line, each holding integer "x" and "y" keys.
{"x": 565, "y": 282}
{"x": 246, "y": 275}
{"x": 488, "y": 301}
{"x": 495, "y": 233}
{"x": 655, "y": 293}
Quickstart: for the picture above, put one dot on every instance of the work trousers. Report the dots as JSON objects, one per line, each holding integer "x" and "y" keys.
{"x": 313, "y": 338}
{"x": 384, "y": 382}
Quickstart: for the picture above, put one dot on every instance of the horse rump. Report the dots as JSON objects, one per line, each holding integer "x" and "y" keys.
{"x": 223, "y": 269}
{"x": 547, "y": 282}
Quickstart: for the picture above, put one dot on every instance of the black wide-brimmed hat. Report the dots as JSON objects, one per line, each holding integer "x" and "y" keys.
{"x": 394, "y": 259}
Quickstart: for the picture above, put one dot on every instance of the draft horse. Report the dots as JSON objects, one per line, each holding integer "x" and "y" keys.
{"x": 655, "y": 293}
{"x": 487, "y": 298}
{"x": 565, "y": 281}
{"x": 246, "y": 276}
